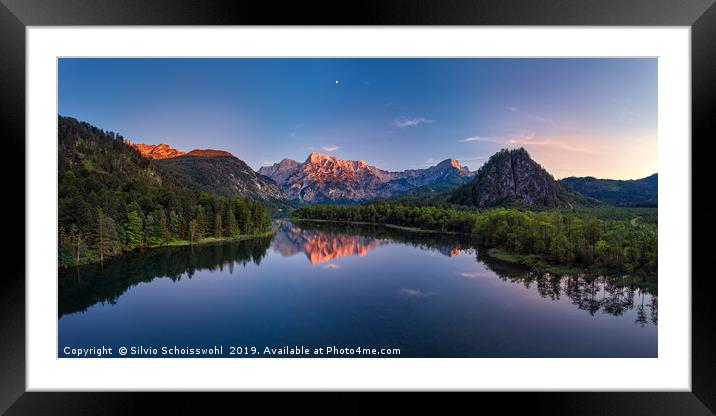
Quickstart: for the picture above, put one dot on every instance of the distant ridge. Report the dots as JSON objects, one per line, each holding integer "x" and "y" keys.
{"x": 642, "y": 192}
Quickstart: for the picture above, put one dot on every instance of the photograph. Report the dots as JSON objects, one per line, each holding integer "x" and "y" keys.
{"x": 471, "y": 197}
{"x": 369, "y": 207}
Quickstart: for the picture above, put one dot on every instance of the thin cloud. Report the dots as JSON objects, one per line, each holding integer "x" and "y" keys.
{"x": 414, "y": 293}
{"x": 331, "y": 148}
{"x": 527, "y": 138}
{"x": 511, "y": 108}
{"x": 410, "y": 122}
{"x": 476, "y": 275}
{"x": 332, "y": 266}
{"x": 476, "y": 139}
{"x": 530, "y": 139}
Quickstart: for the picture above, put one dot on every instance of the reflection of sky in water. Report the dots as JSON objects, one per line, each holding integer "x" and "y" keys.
{"x": 317, "y": 288}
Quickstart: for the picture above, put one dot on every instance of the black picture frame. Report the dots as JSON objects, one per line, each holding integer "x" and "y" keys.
{"x": 16, "y": 15}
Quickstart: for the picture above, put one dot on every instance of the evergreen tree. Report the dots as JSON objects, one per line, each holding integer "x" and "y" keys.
{"x": 230, "y": 224}
{"x": 134, "y": 226}
{"x": 174, "y": 225}
{"x": 102, "y": 242}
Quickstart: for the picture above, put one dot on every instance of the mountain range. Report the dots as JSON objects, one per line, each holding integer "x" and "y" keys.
{"x": 509, "y": 177}
{"x": 323, "y": 178}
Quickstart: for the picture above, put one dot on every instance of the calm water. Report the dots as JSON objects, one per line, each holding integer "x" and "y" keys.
{"x": 326, "y": 285}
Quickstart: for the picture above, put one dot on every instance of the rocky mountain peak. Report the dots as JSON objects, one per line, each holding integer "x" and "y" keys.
{"x": 288, "y": 162}
{"x": 450, "y": 163}
{"x": 317, "y": 157}
{"x": 512, "y": 175}
{"x": 155, "y": 151}
{"x": 325, "y": 178}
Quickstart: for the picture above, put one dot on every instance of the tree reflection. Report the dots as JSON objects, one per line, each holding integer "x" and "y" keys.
{"x": 593, "y": 294}
{"x": 82, "y": 287}
{"x": 311, "y": 237}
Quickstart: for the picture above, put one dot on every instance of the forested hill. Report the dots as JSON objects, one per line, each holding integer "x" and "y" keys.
{"x": 623, "y": 193}
{"x": 112, "y": 199}
{"x": 223, "y": 173}
{"x": 511, "y": 177}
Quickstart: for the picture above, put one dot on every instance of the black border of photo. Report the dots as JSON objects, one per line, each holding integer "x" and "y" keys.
{"x": 16, "y": 15}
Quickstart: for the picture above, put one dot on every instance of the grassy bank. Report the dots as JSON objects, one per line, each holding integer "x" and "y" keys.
{"x": 212, "y": 240}
{"x": 175, "y": 243}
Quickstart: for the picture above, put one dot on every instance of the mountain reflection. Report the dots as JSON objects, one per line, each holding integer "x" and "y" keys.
{"x": 320, "y": 246}
{"x": 82, "y": 287}
{"x": 324, "y": 241}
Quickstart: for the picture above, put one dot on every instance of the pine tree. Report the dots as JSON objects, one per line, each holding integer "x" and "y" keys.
{"x": 163, "y": 226}
{"x": 232, "y": 228}
{"x": 174, "y": 225}
{"x": 134, "y": 226}
{"x": 193, "y": 230}
{"x": 102, "y": 243}
{"x": 218, "y": 225}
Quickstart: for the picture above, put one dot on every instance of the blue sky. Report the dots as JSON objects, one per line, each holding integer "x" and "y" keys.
{"x": 580, "y": 117}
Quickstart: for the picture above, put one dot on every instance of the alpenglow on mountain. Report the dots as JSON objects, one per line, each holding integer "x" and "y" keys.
{"x": 155, "y": 151}
{"x": 212, "y": 171}
{"x": 326, "y": 179}
{"x": 512, "y": 177}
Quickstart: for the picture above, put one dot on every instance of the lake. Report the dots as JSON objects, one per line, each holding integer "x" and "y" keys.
{"x": 346, "y": 288}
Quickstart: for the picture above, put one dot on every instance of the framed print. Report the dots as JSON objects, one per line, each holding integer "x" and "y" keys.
{"x": 470, "y": 198}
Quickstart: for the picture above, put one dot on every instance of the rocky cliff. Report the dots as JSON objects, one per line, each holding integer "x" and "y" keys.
{"x": 326, "y": 179}
{"x": 155, "y": 151}
{"x": 512, "y": 177}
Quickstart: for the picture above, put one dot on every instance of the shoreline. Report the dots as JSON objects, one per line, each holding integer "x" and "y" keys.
{"x": 397, "y": 227}
{"x": 178, "y": 243}
{"x": 531, "y": 261}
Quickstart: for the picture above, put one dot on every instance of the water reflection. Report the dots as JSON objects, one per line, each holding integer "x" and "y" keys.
{"x": 82, "y": 287}
{"x": 593, "y": 294}
{"x": 320, "y": 243}
{"x": 324, "y": 241}
{"x": 320, "y": 246}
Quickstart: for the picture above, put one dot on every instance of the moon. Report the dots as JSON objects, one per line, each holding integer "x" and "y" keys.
{"x": 337, "y": 82}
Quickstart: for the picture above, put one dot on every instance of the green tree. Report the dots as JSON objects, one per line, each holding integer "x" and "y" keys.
{"x": 232, "y": 227}
{"x": 134, "y": 228}
{"x": 174, "y": 225}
